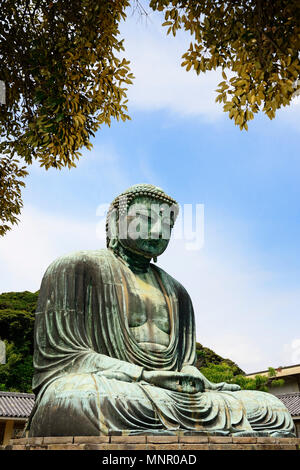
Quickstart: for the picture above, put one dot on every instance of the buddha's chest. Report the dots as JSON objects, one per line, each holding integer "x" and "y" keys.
{"x": 148, "y": 314}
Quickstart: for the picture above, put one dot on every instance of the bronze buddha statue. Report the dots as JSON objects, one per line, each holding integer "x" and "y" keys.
{"x": 115, "y": 344}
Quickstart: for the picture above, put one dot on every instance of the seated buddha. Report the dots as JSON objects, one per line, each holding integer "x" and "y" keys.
{"x": 115, "y": 345}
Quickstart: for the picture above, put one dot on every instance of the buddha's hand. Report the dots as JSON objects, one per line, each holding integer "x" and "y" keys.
{"x": 221, "y": 386}
{"x": 176, "y": 381}
{"x": 224, "y": 387}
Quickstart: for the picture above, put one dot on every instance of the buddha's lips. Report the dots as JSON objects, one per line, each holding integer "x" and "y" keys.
{"x": 154, "y": 244}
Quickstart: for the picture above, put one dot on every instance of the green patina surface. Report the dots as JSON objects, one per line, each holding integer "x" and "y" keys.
{"x": 115, "y": 346}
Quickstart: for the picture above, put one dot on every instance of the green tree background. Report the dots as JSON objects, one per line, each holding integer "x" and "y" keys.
{"x": 16, "y": 329}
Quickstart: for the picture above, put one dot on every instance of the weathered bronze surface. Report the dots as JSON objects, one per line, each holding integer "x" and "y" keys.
{"x": 115, "y": 344}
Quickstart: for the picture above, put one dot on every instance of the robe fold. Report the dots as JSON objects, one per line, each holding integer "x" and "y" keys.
{"x": 88, "y": 366}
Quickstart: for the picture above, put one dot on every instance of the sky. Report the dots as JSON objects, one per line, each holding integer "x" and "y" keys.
{"x": 244, "y": 279}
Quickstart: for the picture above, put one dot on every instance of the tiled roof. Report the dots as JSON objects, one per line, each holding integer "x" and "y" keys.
{"x": 292, "y": 402}
{"x": 16, "y": 405}
{"x": 19, "y": 405}
{"x": 280, "y": 372}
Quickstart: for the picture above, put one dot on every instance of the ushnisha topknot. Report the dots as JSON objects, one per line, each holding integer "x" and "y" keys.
{"x": 122, "y": 202}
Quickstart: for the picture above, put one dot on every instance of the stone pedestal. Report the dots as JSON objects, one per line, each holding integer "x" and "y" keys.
{"x": 159, "y": 443}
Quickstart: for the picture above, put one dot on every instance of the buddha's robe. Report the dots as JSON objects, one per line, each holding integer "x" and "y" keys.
{"x": 88, "y": 363}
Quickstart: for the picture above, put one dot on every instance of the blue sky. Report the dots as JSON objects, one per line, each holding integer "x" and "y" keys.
{"x": 244, "y": 282}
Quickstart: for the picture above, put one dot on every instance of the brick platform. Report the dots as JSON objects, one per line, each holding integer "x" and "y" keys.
{"x": 163, "y": 442}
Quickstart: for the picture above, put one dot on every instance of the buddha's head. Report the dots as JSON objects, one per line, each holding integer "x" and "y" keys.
{"x": 141, "y": 220}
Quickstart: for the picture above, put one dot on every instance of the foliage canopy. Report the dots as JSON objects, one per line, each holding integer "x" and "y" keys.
{"x": 223, "y": 372}
{"x": 16, "y": 326}
{"x": 64, "y": 78}
{"x": 217, "y": 369}
{"x": 258, "y": 41}
{"x": 60, "y": 62}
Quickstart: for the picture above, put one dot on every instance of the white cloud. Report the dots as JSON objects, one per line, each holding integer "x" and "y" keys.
{"x": 160, "y": 81}
{"x": 292, "y": 351}
{"x": 27, "y": 250}
{"x": 103, "y": 164}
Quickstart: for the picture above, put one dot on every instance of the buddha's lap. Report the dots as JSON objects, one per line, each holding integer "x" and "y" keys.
{"x": 90, "y": 402}
{"x": 100, "y": 389}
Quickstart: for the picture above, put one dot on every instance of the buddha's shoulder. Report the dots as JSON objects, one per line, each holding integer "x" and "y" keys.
{"x": 166, "y": 277}
{"x": 81, "y": 258}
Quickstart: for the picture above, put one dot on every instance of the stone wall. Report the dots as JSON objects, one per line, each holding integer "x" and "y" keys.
{"x": 158, "y": 443}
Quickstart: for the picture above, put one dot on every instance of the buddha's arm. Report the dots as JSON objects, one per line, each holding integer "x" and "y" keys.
{"x": 110, "y": 367}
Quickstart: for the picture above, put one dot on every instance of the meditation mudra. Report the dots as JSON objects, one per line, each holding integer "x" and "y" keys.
{"x": 115, "y": 344}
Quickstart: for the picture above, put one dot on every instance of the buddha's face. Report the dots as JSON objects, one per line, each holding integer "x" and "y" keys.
{"x": 148, "y": 226}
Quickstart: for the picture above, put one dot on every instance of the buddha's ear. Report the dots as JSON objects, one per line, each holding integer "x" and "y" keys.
{"x": 113, "y": 232}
